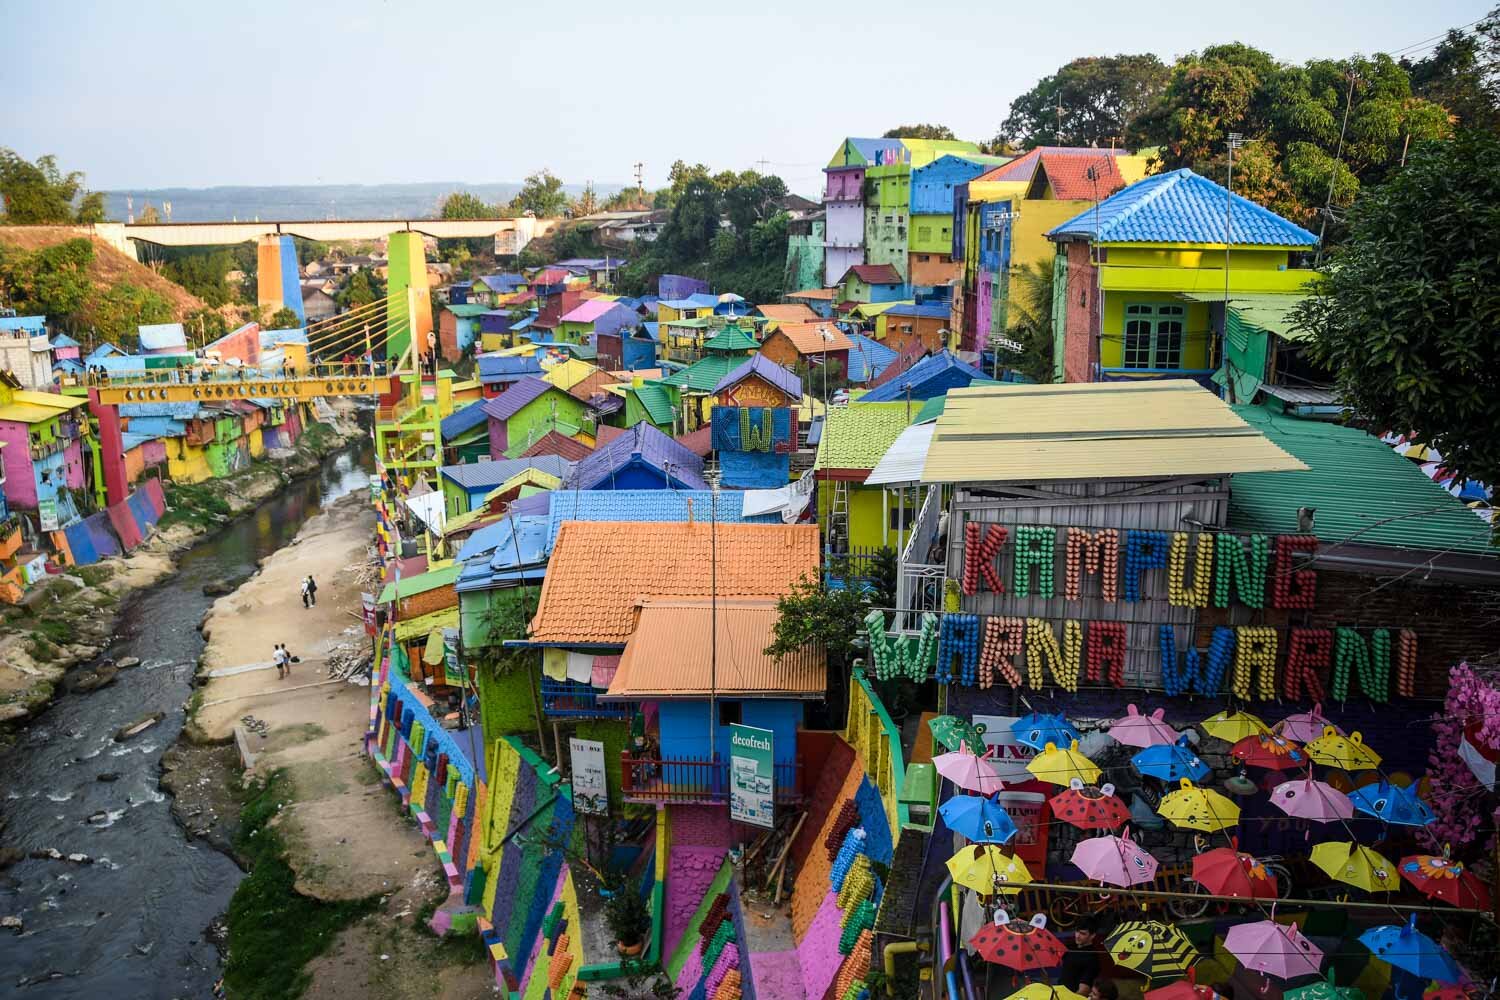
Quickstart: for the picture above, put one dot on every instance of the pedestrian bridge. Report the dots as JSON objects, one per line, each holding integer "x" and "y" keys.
{"x": 176, "y": 387}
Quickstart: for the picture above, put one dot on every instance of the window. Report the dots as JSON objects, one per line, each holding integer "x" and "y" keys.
{"x": 924, "y": 233}
{"x": 729, "y": 713}
{"x": 1153, "y": 336}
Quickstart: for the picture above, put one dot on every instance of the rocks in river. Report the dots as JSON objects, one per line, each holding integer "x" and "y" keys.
{"x": 221, "y": 588}
{"x": 11, "y": 923}
{"x": 9, "y": 856}
{"x": 138, "y": 726}
{"x": 126, "y": 662}
{"x": 108, "y": 776}
{"x": 98, "y": 817}
{"x": 80, "y": 859}
{"x": 50, "y": 854}
{"x": 93, "y": 680}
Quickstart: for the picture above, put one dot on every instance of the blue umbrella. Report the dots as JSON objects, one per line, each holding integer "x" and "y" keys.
{"x": 981, "y": 819}
{"x": 1171, "y": 762}
{"x": 1408, "y": 949}
{"x": 1039, "y": 728}
{"x": 1392, "y": 803}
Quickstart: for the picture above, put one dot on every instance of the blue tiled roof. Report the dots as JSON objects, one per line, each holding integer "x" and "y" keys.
{"x": 932, "y": 376}
{"x": 69, "y": 365}
{"x": 62, "y": 339}
{"x": 868, "y": 358}
{"x": 927, "y": 309}
{"x": 488, "y": 475}
{"x": 501, "y": 282}
{"x": 494, "y": 368}
{"x": 104, "y": 350}
{"x": 1182, "y": 207}
{"x": 523, "y": 323}
{"x": 648, "y": 505}
{"x": 464, "y": 420}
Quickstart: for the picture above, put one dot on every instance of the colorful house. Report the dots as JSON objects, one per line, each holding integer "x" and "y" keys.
{"x": 1141, "y": 260}
{"x": 819, "y": 300}
{"x": 932, "y": 376}
{"x": 458, "y": 328}
{"x": 487, "y": 288}
{"x": 466, "y": 434}
{"x": 467, "y": 486}
{"x": 526, "y": 411}
{"x": 806, "y": 344}
{"x": 652, "y": 403}
{"x": 854, "y": 439}
{"x": 868, "y": 358}
{"x": 641, "y": 458}
{"x": 693, "y": 386}
{"x": 595, "y": 316}
{"x": 871, "y": 283}
{"x": 844, "y": 201}
{"x": 25, "y": 351}
{"x": 759, "y": 381}
{"x": 927, "y": 323}
{"x": 498, "y": 373}
{"x": 46, "y": 452}
{"x": 629, "y": 348}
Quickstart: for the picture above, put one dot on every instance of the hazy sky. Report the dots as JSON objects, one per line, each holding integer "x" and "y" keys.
{"x": 159, "y": 93}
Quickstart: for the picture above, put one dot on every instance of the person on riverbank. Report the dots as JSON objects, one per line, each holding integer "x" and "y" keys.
{"x": 309, "y": 592}
{"x": 281, "y": 660}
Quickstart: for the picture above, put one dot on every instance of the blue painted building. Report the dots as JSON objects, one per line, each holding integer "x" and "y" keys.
{"x": 932, "y": 376}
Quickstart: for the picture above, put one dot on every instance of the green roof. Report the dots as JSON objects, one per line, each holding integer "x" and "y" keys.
{"x": 857, "y": 436}
{"x": 419, "y": 584}
{"x": 731, "y": 338}
{"x": 468, "y": 310}
{"x": 655, "y": 401}
{"x": 1271, "y": 313}
{"x": 933, "y": 408}
{"x": 704, "y": 374}
{"x": 1363, "y": 491}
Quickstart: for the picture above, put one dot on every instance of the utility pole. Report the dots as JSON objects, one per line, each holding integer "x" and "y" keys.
{"x": 1236, "y": 140}
{"x": 640, "y": 188}
{"x": 1338, "y": 157}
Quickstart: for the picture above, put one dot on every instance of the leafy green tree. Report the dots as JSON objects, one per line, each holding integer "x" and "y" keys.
{"x": 542, "y": 195}
{"x": 1088, "y": 102}
{"x": 466, "y": 205}
{"x": 1406, "y": 313}
{"x": 53, "y": 281}
{"x": 1463, "y": 74}
{"x": 1031, "y": 300}
{"x": 920, "y": 132}
{"x": 363, "y": 288}
{"x": 281, "y": 319}
{"x": 203, "y": 274}
{"x": 587, "y": 202}
{"x": 39, "y": 194}
{"x": 831, "y": 617}
{"x": 116, "y": 311}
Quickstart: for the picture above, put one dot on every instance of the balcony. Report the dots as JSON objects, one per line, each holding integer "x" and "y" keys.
{"x": 686, "y": 781}
{"x": 571, "y": 700}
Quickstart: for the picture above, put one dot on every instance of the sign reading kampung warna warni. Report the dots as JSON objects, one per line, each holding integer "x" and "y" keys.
{"x": 1111, "y": 570}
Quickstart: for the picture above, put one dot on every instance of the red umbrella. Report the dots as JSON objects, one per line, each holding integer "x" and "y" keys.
{"x": 1020, "y": 946}
{"x": 1226, "y": 871}
{"x": 1447, "y": 993}
{"x": 1276, "y": 753}
{"x": 1184, "y": 989}
{"x": 1090, "y": 808}
{"x": 1437, "y": 877}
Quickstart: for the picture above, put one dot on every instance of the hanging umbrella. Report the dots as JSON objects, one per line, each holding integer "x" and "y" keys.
{"x": 1228, "y": 871}
{"x": 1318, "y": 801}
{"x": 1231, "y": 727}
{"x": 1184, "y": 989}
{"x": 1060, "y": 767}
{"x": 951, "y": 732}
{"x": 1044, "y": 991}
{"x": 1408, "y": 949}
{"x": 1324, "y": 989}
{"x": 980, "y": 818}
{"x": 1267, "y": 750}
{"x": 1438, "y": 877}
{"x": 1024, "y": 947}
{"x": 1356, "y": 865}
{"x": 1197, "y": 808}
{"x": 1171, "y": 762}
{"x": 1279, "y": 950}
{"x": 1348, "y": 752}
{"x": 1306, "y": 726}
{"x": 1088, "y": 807}
{"x": 1392, "y": 803}
{"x": 987, "y": 870}
{"x": 1137, "y": 730}
{"x": 968, "y": 771}
{"x": 1040, "y": 728}
{"x": 1447, "y": 993}
{"x": 1152, "y": 948}
{"x": 1117, "y": 860}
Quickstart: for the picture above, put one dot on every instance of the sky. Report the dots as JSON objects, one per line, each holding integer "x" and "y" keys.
{"x": 160, "y": 93}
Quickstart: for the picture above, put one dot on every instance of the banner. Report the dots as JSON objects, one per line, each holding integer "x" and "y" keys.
{"x": 752, "y": 776}
{"x": 46, "y": 512}
{"x": 590, "y": 787}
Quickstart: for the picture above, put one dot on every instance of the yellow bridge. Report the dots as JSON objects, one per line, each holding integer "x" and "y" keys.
{"x": 337, "y": 381}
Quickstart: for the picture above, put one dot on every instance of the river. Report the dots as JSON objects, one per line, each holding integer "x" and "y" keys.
{"x": 132, "y": 924}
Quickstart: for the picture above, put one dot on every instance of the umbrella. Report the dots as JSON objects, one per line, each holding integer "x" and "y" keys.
{"x": 1116, "y": 860}
{"x": 1274, "y": 753}
{"x": 1040, "y": 728}
{"x": 1060, "y": 767}
{"x": 1318, "y": 801}
{"x": 1279, "y": 950}
{"x": 951, "y": 732}
{"x": 1152, "y": 948}
{"x": 986, "y": 869}
{"x": 1392, "y": 803}
{"x": 1408, "y": 949}
{"x": 1171, "y": 762}
{"x": 1306, "y": 726}
{"x": 1197, "y": 808}
{"x": 1356, "y": 865}
{"x": 1043, "y": 991}
{"x": 1227, "y": 871}
{"x": 1137, "y": 730}
{"x": 1234, "y": 726}
{"x": 1348, "y": 752}
{"x": 1184, "y": 989}
{"x": 1447, "y": 993}
{"x": 1324, "y": 989}
{"x": 1088, "y": 807}
{"x": 978, "y": 817}
{"x": 1020, "y": 946}
{"x": 1442, "y": 878}
{"x": 968, "y": 771}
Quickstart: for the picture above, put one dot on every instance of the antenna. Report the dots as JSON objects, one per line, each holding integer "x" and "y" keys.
{"x": 762, "y": 164}
{"x": 639, "y": 187}
{"x": 1235, "y": 141}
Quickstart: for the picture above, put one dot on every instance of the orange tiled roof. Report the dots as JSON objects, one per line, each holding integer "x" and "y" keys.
{"x": 794, "y": 312}
{"x": 553, "y": 443}
{"x": 808, "y": 338}
{"x": 1069, "y": 178}
{"x": 669, "y": 655}
{"x": 812, "y": 293}
{"x": 591, "y": 385}
{"x": 600, "y": 571}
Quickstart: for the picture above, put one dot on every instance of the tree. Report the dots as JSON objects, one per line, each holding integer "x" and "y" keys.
{"x": 38, "y": 194}
{"x": 542, "y": 195}
{"x": 1088, "y": 102}
{"x": 920, "y": 132}
{"x": 1406, "y": 313}
{"x": 1031, "y": 301}
{"x": 52, "y": 281}
{"x": 819, "y": 615}
{"x": 587, "y": 203}
{"x": 363, "y": 288}
{"x": 465, "y": 205}
{"x": 282, "y": 319}
{"x": 202, "y": 273}
{"x": 116, "y": 311}
{"x": 1463, "y": 74}
{"x": 149, "y": 215}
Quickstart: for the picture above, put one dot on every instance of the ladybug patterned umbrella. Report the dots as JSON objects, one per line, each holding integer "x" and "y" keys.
{"x": 1089, "y": 807}
{"x": 1024, "y": 947}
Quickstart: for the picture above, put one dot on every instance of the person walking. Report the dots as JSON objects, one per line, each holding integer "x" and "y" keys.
{"x": 309, "y": 592}
{"x": 279, "y": 657}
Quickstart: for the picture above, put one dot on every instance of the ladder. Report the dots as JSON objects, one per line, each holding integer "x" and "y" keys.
{"x": 838, "y": 517}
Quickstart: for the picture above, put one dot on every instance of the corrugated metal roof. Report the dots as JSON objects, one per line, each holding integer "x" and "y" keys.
{"x": 904, "y": 460}
{"x": 1356, "y": 483}
{"x": 1271, "y": 313}
{"x": 504, "y": 539}
{"x": 467, "y": 310}
{"x": 657, "y": 403}
{"x": 1094, "y": 430}
{"x": 555, "y": 443}
{"x": 495, "y": 368}
{"x": 759, "y": 364}
{"x": 600, "y": 570}
{"x": 1301, "y": 396}
{"x": 31, "y": 324}
{"x": 794, "y": 312}
{"x": 640, "y": 442}
{"x": 731, "y": 338}
{"x": 702, "y": 375}
{"x": 857, "y": 436}
{"x": 873, "y": 274}
{"x": 509, "y": 402}
{"x": 419, "y": 584}
{"x": 929, "y": 310}
{"x": 422, "y": 625}
{"x": 932, "y": 376}
{"x": 591, "y": 310}
{"x": 687, "y": 649}
{"x": 162, "y": 336}
{"x": 651, "y": 506}
{"x": 463, "y": 420}
{"x": 488, "y": 475}
{"x": 178, "y": 411}
{"x": 867, "y": 358}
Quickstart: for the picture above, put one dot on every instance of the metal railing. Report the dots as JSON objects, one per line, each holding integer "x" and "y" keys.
{"x": 686, "y": 780}
{"x": 572, "y": 700}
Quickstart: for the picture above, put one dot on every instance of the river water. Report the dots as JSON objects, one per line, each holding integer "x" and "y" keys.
{"x": 132, "y": 924}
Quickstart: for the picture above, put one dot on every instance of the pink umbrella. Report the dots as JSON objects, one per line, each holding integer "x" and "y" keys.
{"x": 1137, "y": 730}
{"x": 1318, "y": 801}
{"x": 964, "y": 769}
{"x": 1279, "y": 950}
{"x": 1116, "y": 860}
{"x": 1305, "y": 726}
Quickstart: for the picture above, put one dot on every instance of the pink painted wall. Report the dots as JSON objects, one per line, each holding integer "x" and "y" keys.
{"x": 243, "y": 343}
{"x": 818, "y": 954}
{"x": 20, "y": 481}
{"x": 73, "y": 464}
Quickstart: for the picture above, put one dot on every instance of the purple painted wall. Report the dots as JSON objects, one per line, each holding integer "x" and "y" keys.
{"x": 844, "y": 229}
{"x": 20, "y": 481}
{"x": 679, "y": 286}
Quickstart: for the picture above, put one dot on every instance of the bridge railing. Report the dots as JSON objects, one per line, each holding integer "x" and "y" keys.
{"x": 208, "y": 372}
{"x": 210, "y": 385}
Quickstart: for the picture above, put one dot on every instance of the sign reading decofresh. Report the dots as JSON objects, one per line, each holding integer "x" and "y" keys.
{"x": 752, "y": 776}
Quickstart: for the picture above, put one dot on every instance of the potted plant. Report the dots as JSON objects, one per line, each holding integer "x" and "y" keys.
{"x": 629, "y": 920}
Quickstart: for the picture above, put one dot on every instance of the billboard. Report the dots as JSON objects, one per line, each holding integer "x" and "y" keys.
{"x": 590, "y": 787}
{"x": 752, "y": 776}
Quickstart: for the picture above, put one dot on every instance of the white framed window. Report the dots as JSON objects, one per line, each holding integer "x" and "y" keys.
{"x": 1154, "y": 335}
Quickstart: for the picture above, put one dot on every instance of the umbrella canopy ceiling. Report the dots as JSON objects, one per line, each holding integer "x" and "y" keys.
{"x": 1137, "y": 730}
{"x": 987, "y": 870}
{"x": 1171, "y": 762}
{"x": 1040, "y": 728}
{"x": 1442, "y": 878}
{"x": 1116, "y": 860}
{"x": 1313, "y": 800}
{"x": 1225, "y": 871}
{"x": 1090, "y": 808}
{"x": 1306, "y": 726}
{"x": 951, "y": 732}
{"x": 1059, "y": 766}
{"x": 1267, "y": 750}
{"x": 968, "y": 771}
{"x": 979, "y": 818}
{"x": 1020, "y": 946}
{"x": 1392, "y": 804}
{"x": 1408, "y": 949}
{"x": 1234, "y": 726}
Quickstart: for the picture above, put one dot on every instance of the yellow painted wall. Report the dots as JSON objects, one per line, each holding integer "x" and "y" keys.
{"x": 1244, "y": 259}
{"x": 257, "y": 443}
{"x": 866, "y": 519}
{"x": 186, "y": 463}
{"x": 1197, "y": 329}
{"x": 931, "y": 233}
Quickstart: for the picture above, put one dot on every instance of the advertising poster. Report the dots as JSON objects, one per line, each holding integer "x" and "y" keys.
{"x": 46, "y": 512}
{"x": 752, "y": 776}
{"x": 590, "y": 790}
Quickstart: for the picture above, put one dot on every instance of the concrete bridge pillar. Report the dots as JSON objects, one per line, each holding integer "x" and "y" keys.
{"x": 408, "y": 269}
{"x": 278, "y": 279}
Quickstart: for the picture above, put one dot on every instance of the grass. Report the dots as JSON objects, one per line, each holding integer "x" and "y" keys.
{"x": 274, "y": 931}
{"x": 92, "y": 576}
{"x": 198, "y": 505}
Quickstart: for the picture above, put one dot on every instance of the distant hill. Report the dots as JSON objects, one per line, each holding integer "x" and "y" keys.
{"x": 316, "y": 201}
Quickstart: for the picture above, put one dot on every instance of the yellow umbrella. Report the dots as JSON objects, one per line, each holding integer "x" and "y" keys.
{"x": 1197, "y": 808}
{"x": 1358, "y": 866}
{"x": 1235, "y": 726}
{"x": 1060, "y": 767}
{"x": 986, "y": 869}
{"x": 1044, "y": 991}
{"x": 1348, "y": 752}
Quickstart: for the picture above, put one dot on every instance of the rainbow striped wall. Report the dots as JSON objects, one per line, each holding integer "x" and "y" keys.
{"x": 278, "y": 281}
